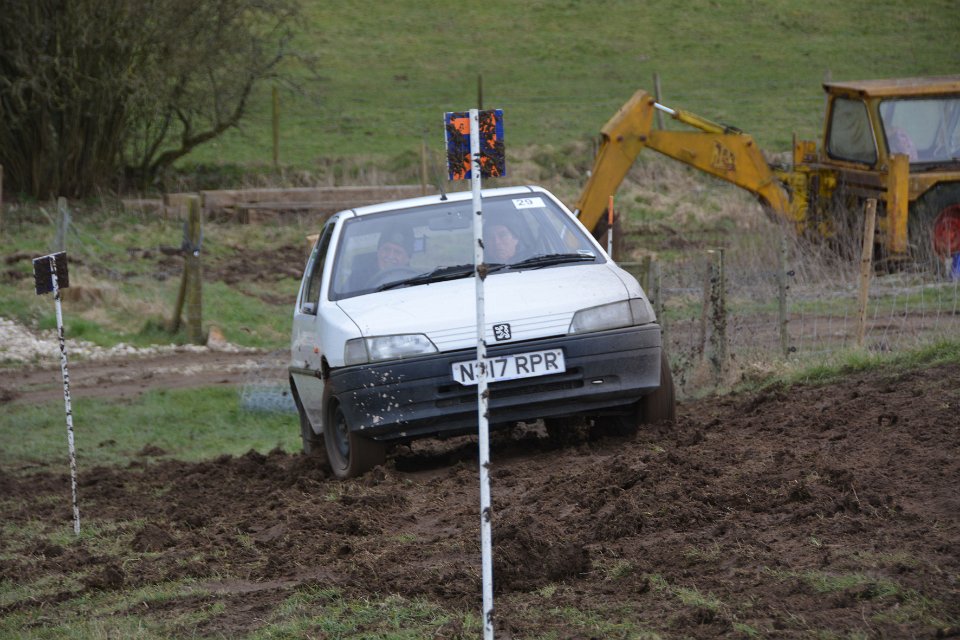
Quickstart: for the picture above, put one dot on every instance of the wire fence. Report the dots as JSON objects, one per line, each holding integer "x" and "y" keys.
{"x": 743, "y": 310}
{"x": 266, "y": 388}
{"x": 736, "y": 306}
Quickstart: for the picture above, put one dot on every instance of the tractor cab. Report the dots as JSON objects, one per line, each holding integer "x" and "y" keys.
{"x": 870, "y": 121}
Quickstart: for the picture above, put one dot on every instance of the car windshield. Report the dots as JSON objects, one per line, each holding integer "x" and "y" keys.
{"x": 925, "y": 129}
{"x": 435, "y": 243}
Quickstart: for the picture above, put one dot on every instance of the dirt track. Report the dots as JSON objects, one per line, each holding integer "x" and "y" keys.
{"x": 127, "y": 377}
{"x": 810, "y": 512}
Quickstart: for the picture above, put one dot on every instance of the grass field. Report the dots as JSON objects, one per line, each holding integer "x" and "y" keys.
{"x": 384, "y": 75}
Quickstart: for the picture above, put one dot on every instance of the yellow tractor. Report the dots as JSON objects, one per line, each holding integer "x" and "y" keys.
{"x": 897, "y": 141}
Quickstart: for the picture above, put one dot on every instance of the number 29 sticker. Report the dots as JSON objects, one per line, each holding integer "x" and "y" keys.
{"x": 528, "y": 203}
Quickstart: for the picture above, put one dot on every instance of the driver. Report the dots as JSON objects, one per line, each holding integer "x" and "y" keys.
{"x": 900, "y": 142}
{"x": 394, "y": 248}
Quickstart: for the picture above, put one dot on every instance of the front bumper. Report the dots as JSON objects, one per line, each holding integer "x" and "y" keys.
{"x": 415, "y": 397}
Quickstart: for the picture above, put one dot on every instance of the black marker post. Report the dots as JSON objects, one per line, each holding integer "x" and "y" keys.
{"x": 50, "y": 274}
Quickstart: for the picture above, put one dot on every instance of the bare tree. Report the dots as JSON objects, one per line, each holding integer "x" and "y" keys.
{"x": 96, "y": 91}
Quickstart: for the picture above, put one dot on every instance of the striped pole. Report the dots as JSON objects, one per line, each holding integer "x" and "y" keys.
{"x": 66, "y": 396}
{"x": 483, "y": 395}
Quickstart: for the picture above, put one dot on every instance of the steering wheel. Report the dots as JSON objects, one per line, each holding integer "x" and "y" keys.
{"x": 392, "y": 275}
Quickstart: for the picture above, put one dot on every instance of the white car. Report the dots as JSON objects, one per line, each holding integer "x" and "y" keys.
{"x": 384, "y": 330}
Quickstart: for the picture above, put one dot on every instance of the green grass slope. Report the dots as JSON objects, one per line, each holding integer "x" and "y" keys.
{"x": 387, "y": 72}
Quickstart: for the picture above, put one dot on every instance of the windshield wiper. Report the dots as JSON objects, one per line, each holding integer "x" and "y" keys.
{"x": 439, "y": 274}
{"x": 464, "y": 270}
{"x": 537, "y": 262}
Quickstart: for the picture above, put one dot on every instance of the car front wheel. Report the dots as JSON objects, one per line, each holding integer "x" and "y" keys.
{"x": 349, "y": 453}
{"x": 659, "y": 406}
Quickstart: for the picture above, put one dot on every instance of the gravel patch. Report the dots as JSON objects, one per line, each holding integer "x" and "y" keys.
{"x": 18, "y": 344}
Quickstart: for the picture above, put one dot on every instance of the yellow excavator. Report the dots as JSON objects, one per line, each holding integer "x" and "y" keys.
{"x": 897, "y": 141}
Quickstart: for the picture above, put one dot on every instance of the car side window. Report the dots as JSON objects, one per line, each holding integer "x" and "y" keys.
{"x": 311, "y": 294}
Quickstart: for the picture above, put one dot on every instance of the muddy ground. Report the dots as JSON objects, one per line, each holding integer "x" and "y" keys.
{"x": 809, "y": 512}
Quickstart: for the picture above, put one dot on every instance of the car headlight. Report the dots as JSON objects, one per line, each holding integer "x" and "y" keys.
{"x": 378, "y": 348}
{"x": 612, "y": 316}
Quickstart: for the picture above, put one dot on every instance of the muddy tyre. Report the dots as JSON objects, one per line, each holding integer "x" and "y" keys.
{"x": 566, "y": 431}
{"x": 661, "y": 405}
{"x": 617, "y": 426}
{"x": 934, "y": 226}
{"x": 350, "y": 454}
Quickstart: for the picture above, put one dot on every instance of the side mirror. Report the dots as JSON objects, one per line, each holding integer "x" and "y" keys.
{"x": 309, "y": 308}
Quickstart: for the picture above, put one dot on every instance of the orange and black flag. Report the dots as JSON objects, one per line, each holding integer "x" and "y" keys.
{"x": 492, "y": 155}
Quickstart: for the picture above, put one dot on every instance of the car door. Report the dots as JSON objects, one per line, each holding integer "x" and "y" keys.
{"x": 306, "y": 354}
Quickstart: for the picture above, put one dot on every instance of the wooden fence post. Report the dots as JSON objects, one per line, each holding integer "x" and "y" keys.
{"x": 178, "y": 305}
{"x": 646, "y": 274}
{"x": 866, "y": 267}
{"x": 276, "y": 130}
{"x": 423, "y": 167}
{"x": 658, "y": 297}
{"x": 656, "y": 95}
{"x": 782, "y": 296}
{"x": 190, "y": 293}
{"x": 705, "y": 307}
{"x": 63, "y": 222}
{"x": 718, "y": 299}
{"x": 193, "y": 267}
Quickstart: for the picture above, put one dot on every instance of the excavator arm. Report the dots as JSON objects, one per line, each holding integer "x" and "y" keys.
{"x": 724, "y": 152}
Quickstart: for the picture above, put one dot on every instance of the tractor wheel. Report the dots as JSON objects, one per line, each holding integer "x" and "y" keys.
{"x": 934, "y": 226}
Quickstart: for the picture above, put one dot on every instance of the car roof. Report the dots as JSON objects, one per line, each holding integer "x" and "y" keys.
{"x": 456, "y": 196}
{"x": 931, "y": 85}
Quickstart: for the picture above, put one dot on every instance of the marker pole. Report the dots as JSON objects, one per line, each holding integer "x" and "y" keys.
{"x": 483, "y": 395}
{"x": 66, "y": 396}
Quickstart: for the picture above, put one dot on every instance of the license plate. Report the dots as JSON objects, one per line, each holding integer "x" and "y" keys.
{"x": 511, "y": 367}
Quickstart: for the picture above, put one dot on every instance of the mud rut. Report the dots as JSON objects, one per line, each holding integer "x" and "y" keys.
{"x": 747, "y": 501}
